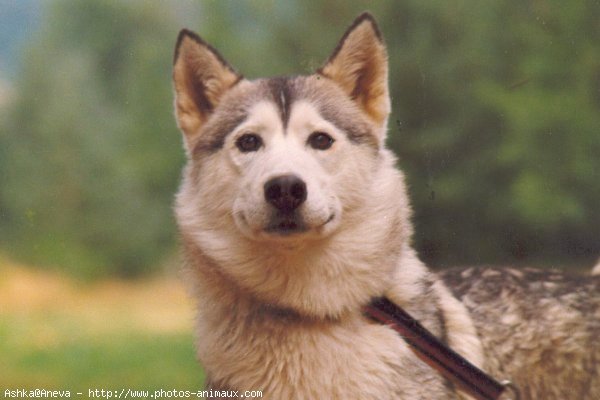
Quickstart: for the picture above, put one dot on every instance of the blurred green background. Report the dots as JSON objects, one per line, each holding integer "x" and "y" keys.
{"x": 496, "y": 121}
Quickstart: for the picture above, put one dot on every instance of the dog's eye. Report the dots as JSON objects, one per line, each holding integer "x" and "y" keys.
{"x": 248, "y": 142}
{"x": 320, "y": 141}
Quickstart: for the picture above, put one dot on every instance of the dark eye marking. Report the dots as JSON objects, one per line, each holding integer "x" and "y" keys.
{"x": 249, "y": 142}
{"x": 320, "y": 141}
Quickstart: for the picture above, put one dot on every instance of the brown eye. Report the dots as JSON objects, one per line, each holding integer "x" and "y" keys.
{"x": 320, "y": 141}
{"x": 248, "y": 142}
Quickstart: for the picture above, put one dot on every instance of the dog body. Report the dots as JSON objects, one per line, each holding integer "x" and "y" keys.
{"x": 293, "y": 216}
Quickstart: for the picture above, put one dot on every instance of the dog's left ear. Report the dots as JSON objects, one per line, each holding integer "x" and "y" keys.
{"x": 359, "y": 65}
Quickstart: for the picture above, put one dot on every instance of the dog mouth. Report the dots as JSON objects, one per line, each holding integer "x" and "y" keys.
{"x": 286, "y": 224}
{"x": 291, "y": 224}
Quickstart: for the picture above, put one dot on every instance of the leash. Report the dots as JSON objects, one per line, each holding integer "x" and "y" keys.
{"x": 437, "y": 355}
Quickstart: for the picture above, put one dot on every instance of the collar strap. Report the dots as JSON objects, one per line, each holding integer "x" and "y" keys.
{"x": 435, "y": 353}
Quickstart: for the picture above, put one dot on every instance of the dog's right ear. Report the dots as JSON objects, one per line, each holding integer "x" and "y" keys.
{"x": 200, "y": 77}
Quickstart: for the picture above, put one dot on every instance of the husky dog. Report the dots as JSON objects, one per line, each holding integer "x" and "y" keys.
{"x": 293, "y": 217}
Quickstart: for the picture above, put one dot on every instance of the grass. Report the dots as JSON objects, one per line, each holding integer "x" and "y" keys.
{"x": 56, "y": 334}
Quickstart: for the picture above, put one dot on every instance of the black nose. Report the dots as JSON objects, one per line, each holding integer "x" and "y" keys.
{"x": 285, "y": 192}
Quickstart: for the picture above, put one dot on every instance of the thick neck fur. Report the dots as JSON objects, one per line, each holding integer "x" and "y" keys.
{"x": 261, "y": 300}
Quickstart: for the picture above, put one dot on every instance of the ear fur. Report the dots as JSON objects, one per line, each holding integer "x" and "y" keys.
{"x": 200, "y": 77}
{"x": 359, "y": 66}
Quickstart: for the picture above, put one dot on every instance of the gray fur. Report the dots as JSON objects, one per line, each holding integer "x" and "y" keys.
{"x": 540, "y": 329}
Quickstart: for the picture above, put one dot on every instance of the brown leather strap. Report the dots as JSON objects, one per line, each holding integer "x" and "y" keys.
{"x": 436, "y": 354}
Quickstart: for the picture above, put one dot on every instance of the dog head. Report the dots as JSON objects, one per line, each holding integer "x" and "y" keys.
{"x": 276, "y": 164}
{"x": 293, "y": 146}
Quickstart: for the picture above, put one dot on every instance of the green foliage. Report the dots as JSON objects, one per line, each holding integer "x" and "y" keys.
{"x": 496, "y": 116}
{"x": 501, "y": 136}
{"x": 92, "y": 151}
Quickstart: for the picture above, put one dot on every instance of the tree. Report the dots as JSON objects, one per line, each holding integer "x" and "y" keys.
{"x": 92, "y": 150}
{"x": 500, "y": 132}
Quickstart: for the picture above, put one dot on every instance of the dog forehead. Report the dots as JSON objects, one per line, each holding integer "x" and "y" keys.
{"x": 275, "y": 100}
{"x": 305, "y": 115}
{"x": 264, "y": 114}
{"x": 311, "y": 99}
{"x": 265, "y": 98}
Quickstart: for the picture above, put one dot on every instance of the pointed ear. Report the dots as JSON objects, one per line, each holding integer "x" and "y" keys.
{"x": 359, "y": 66}
{"x": 200, "y": 77}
